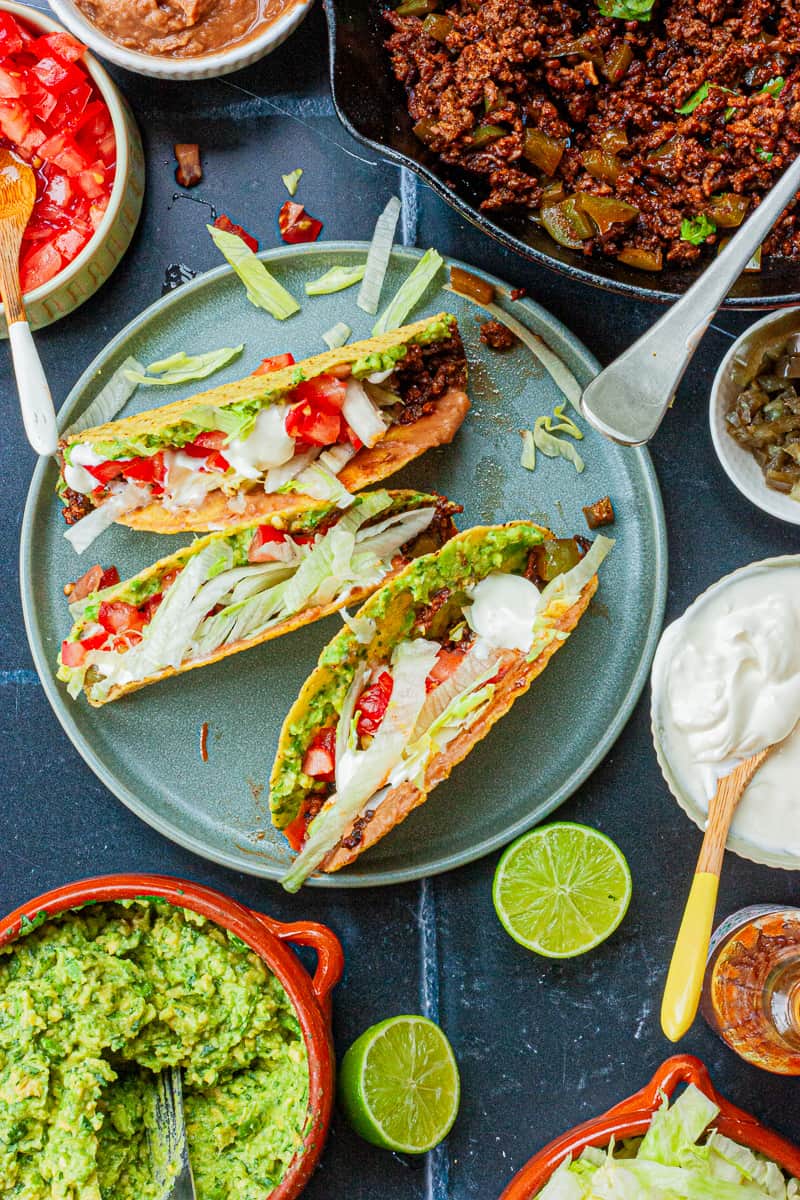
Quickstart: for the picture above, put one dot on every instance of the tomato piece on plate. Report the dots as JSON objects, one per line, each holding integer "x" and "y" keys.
{"x": 319, "y": 760}
{"x": 447, "y": 661}
{"x": 117, "y": 616}
{"x": 72, "y": 654}
{"x": 64, "y": 45}
{"x": 296, "y": 226}
{"x": 11, "y": 37}
{"x": 373, "y": 703}
{"x": 276, "y": 363}
{"x": 224, "y": 222}
{"x": 265, "y": 538}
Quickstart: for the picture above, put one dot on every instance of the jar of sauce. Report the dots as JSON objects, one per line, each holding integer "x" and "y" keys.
{"x": 751, "y": 991}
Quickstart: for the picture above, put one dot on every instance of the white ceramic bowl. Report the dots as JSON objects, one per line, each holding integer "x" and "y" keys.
{"x": 739, "y": 464}
{"x": 206, "y": 66}
{"x": 739, "y": 845}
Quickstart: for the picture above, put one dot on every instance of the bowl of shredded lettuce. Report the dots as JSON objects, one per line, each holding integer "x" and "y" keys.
{"x": 665, "y": 1144}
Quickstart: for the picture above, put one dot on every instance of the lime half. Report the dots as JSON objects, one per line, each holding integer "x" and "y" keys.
{"x": 562, "y": 889}
{"x": 398, "y": 1085}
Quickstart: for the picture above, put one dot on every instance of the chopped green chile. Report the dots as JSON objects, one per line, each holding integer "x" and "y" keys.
{"x": 543, "y": 151}
{"x": 664, "y": 154}
{"x": 555, "y": 556}
{"x": 484, "y": 135}
{"x": 728, "y": 210}
{"x": 602, "y": 165}
{"x": 437, "y": 26}
{"x": 607, "y": 211}
{"x": 553, "y": 192}
{"x": 417, "y": 8}
{"x": 424, "y": 129}
{"x": 584, "y": 47}
{"x": 641, "y": 259}
{"x": 617, "y": 61}
{"x": 613, "y": 140}
{"x": 566, "y": 224}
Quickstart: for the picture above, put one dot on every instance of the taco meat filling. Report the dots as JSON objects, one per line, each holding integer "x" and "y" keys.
{"x": 469, "y": 649}
{"x": 298, "y": 445}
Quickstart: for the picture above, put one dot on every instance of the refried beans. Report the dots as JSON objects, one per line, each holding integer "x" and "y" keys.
{"x": 649, "y": 141}
{"x": 181, "y": 28}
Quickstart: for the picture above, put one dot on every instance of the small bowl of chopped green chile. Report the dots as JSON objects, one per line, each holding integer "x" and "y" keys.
{"x": 104, "y": 983}
{"x": 755, "y": 414}
{"x": 662, "y": 1141}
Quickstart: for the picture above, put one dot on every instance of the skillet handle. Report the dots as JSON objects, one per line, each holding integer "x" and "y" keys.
{"x": 330, "y": 956}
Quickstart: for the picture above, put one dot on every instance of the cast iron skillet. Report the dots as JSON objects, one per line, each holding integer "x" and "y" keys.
{"x": 371, "y": 105}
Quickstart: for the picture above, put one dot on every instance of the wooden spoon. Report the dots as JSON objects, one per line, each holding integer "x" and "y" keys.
{"x": 17, "y": 195}
{"x": 685, "y": 978}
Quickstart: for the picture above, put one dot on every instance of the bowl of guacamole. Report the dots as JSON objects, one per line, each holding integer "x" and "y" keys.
{"x": 99, "y": 994}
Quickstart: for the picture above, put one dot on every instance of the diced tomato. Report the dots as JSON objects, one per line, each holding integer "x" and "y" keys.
{"x": 72, "y": 654}
{"x": 95, "y": 640}
{"x": 69, "y": 243}
{"x": 213, "y": 439}
{"x": 296, "y": 225}
{"x": 295, "y": 831}
{"x": 447, "y": 661}
{"x": 15, "y": 120}
{"x": 353, "y": 438}
{"x": 322, "y": 389}
{"x": 145, "y": 470}
{"x": 105, "y": 472}
{"x": 11, "y": 40}
{"x": 151, "y": 604}
{"x": 63, "y": 150}
{"x": 276, "y": 363}
{"x": 92, "y": 182}
{"x": 38, "y": 267}
{"x": 217, "y": 462}
{"x": 119, "y": 617}
{"x": 64, "y": 45}
{"x": 319, "y": 760}
{"x": 57, "y": 75}
{"x": 93, "y": 580}
{"x": 109, "y": 578}
{"x": 58, "y": 188}
{"x": 313, "y": 426}
{"x": 98, "y": 211}
{"x": 28, "y": 145}
{"x": 12, "y": 83}
{"x": 265, "y": 538}
{"x": 373, "y": 703}
{"x": 69, "y": 113}
{"x": 224, "y": 222}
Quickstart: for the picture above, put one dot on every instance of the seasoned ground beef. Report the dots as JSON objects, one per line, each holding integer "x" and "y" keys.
{"x": 574, "y": 117}
{"x": 426, "y": 372}
{"x": 76, "y": 506}
{"x": 497, "y": 336}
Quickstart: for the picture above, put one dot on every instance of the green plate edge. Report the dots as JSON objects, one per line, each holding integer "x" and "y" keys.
{"x": 350, "y": 878}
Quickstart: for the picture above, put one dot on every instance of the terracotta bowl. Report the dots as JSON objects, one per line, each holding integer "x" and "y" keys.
{"x": 632, "y": 1118}
{"x": 81, "y": 278}
{"x": 311, "y": 997}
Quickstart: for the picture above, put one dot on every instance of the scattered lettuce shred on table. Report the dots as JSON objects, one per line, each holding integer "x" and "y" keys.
{"x": 670, "y": 1162}
{"x": 263, "y": 290}
{"x": 183, "y": 367}
{"x": 291, "y": 180}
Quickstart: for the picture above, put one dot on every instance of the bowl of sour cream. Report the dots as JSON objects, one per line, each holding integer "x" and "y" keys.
{"x": 725, "y": 684}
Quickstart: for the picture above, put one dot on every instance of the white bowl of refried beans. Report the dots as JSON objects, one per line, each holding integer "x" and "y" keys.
{"x": 182, "y": 39}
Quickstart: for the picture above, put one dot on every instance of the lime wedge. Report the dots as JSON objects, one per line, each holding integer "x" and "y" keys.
{"x": 398, "y": 1085}
{"x": 562, "y": 889}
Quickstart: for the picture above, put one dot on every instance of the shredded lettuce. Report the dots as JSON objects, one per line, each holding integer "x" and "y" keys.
{"x": 528, "y": 456}
{"x": 337, "y": 335}
{"x": 183, "y": 367}
{"x": 335, "y": 280}
{"x": 554, "y": 446}
{"x": 671, "y": 1163}
{"x": 110, "y": 400}
{"x": 380, "y": 251}
{"x": 291, "y": 180}
{"x": 81, "y": 535}
{"x": 410, "y": 292}
{"x": 263, "y": 290}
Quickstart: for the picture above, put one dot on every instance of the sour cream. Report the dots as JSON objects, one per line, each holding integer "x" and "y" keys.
{"x": 726, "y": 684}
{"x": 503, "y": 610}
{"x": 269, "y": 445}
{"x": 75, "y": 474}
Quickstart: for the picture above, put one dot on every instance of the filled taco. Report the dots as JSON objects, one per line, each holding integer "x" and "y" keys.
{"x": 237, "y": 588}
{"x": 433, "y": 659}
{"x": 318, "y": 430}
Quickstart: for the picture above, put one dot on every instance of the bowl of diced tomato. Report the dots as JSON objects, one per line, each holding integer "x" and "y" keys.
{"x": 61, "y": 112}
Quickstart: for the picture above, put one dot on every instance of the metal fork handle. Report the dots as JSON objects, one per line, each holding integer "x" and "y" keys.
{"x": 627, "y": 401}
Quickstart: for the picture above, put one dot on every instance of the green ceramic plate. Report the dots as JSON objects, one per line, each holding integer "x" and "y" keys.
{"x": 146, "y": 747}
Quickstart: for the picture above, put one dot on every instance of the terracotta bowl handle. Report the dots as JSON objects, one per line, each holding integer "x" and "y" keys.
{"x": 681, "y": 1068}
{"x": 330, "y": 956}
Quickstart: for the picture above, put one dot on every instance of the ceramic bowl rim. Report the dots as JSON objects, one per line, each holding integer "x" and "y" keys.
{"x": 113, "y": 100}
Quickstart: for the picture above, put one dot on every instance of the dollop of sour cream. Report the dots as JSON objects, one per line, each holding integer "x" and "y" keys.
{"x": 269, "y": 445}
{"x": 726, "y": 684}
{"x": 503, "y": 610}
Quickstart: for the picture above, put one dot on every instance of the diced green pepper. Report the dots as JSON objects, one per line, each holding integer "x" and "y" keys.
{"x": 617, "y": 61}
{"x": 485, "y": 134}
{"x": 601, "y": 164}
{"x": 566, "y": 224}
{"x": 437, "y": 26}
{"x": 416, "y": 8}
{"x": 543, "y": 151}
{"x": 606, "y": 211}
{"x": 728, "y": 209}
{"x": 641, "y": 259}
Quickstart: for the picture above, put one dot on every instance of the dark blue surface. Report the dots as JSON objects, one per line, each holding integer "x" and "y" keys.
{"x": 541, "y": 1044}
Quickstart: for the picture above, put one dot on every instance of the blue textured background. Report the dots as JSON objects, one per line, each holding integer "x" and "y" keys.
{"x": 542, "y": 1045}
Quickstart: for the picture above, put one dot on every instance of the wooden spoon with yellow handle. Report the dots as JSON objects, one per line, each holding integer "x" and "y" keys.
{"x": 17, "y": 195}
{"x": 685, "y": 978}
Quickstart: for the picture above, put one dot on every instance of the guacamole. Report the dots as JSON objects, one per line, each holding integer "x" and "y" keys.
{"x": 95, "y": 1000}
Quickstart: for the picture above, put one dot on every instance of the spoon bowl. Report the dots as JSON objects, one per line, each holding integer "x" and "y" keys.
{"x": 17, "y": 188}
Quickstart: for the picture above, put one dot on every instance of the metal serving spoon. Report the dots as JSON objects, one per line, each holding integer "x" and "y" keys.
{"x": 169, "y": 1147}
{"x": 17, "y": 195}
{"x": 628, "y": 400}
